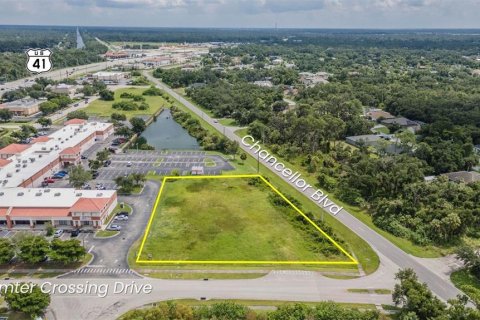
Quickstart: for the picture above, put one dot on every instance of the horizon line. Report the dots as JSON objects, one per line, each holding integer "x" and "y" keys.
{"x": 246, "y": 28}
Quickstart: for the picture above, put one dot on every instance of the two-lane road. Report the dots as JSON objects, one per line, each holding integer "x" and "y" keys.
{"x": 387, "y": 250}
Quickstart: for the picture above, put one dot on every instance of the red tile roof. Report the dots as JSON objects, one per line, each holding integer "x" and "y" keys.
{"x": 90, "y": 204}
{"x": 14, "y": 148}
{"x": 4, "y": 162}
{"x": 40, "y": 212}
{"x": 75, "y": 121}
{"x": 41, "y": 139}
{"x": 3, "y": 212}
{"x": 71, "y": 150}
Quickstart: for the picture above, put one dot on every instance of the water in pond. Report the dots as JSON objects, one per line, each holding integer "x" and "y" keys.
{"x": 165, "y": 133}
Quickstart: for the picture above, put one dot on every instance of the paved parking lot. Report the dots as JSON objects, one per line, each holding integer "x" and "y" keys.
{"x": 161, "y": 162}
{"x": 4, "y": 233}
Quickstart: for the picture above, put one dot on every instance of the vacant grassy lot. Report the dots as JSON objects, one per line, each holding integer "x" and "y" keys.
{"x": 228, "y": 220}
{"x": 104, "y": 108}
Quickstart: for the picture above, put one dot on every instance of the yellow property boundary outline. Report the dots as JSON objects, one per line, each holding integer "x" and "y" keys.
{"x": 352, "y": 261}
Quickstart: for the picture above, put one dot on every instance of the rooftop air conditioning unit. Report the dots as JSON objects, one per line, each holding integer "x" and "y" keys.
{"x": 46, "y": 190}
{"x": 9, "y": 175}
{"x": 39, "y": 155}
{"x": 57, "y": 194}
{"x": 20, "y": 194}
{"x": 78, "y": 194}
{"x": 18, "y": 170}
{"x": 44, "y": 148}
{"x": 38, "y": 194}
{"x": 2, "y": 193}
{"x": 99, "y": 194}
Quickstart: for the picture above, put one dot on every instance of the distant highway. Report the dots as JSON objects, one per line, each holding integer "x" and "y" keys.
{"x": 59, "y": 74}
{"x": 443, "y": 288}
{"x": 80, "y": 43}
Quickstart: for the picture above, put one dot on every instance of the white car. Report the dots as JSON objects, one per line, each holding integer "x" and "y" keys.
{"x": 58, "y": 233}
{"x": 129, "y": 164}
{"x": 121, "y": 218}
{"x": 114, "y": 227}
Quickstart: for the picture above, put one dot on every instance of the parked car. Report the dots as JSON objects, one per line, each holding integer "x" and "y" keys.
{"x": 44, "y": 184}
{"x": 122, "y": 213}
{"x": 58, "y": 233}
{"x": 129, "y": 164}
{"x": 63, "y": 172}
{"x": 114, "y": 227}
{"x": 121, "y": 218}
{"x": 57, "y": 177}
{"x": 75, "y": 233}
{"x": 83, "y": 157}
{"x": 49, "y": 180}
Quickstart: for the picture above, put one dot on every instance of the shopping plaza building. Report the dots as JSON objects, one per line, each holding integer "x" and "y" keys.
{"x": 23, "y": 168}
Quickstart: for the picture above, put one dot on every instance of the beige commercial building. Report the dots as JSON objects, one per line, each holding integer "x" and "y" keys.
{"x": 22, "y": 107}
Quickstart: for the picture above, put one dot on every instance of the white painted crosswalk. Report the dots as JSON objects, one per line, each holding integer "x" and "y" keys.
{"x": 91, "y": 270}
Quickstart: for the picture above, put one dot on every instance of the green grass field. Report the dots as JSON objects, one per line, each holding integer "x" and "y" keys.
{"x": 104, "y": 108}
{"x": 226, "y": 220}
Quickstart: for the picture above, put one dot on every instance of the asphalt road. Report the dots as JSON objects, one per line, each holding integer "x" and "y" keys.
{"x": 60, "y": 74}
{"x": 443, "y": 288}
{"x": 110, "y": 254}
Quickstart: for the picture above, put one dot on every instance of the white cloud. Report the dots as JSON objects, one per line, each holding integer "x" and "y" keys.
{"x": 246, "y": 13}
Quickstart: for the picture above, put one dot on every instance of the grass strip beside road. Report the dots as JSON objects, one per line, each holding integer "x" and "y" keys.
{"x": 404, "y": 244}
{"x": 197, "y": 276}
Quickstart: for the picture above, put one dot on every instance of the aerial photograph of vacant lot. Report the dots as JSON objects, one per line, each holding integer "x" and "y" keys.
{"x": 231, "y": 220}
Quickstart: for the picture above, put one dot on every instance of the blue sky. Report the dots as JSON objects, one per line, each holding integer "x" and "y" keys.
{"x": 246, "y": 13}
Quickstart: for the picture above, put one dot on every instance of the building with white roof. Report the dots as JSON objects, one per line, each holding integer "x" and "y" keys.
{"x": 29, "y": 164}
{"x": 23, "y": 168}
{"x": 26, "y": 208}
{"x": 109, "y": 76}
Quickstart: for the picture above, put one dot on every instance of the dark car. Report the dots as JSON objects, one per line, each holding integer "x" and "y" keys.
{"x": 75, "y": 233}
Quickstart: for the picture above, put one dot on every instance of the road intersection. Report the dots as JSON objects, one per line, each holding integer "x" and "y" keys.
{"x": 277, "y": 285}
